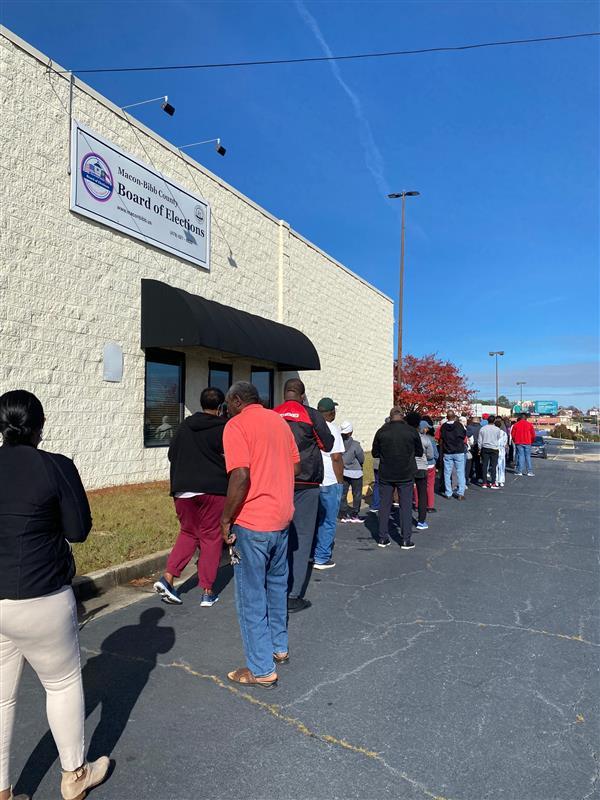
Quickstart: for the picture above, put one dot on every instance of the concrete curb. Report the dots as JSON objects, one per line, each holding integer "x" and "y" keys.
{"x": 96, "y": 583}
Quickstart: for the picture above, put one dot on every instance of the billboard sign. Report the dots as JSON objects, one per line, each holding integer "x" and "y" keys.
{"x": 546, "y": 407}
{"x": 119, "y": 191}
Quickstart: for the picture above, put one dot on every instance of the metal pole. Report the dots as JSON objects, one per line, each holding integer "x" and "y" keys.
{"x": 401, "y": 292}
{"x": 521, "y": 394}
{"x": 497, "y": 403}
{"x": 70, "y": 119}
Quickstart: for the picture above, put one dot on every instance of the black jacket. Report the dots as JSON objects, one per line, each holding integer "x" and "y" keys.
{"x": 42, "y": 504}
{"x": 452, "y": 437}
{"x": 396, "y": 445}
{"x": 196, "y": 455}
{"x": 311, "y": 435}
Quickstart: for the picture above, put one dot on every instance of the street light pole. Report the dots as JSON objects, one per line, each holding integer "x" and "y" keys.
{"x": 521, "y": 384}
{"x": 497, "y": 353}
{"x": 403, "y": 196}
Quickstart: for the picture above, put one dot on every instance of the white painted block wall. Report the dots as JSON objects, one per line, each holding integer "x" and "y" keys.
{"x": 69, "y": 285}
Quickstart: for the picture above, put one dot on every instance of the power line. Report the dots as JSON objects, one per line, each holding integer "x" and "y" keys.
{"x": 356, "y": 56}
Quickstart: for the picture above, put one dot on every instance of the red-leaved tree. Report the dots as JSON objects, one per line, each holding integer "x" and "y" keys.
{"x": 431, "y": 386}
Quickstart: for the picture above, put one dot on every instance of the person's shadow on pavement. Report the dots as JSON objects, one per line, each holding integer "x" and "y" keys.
{"x": 114, "y": 679}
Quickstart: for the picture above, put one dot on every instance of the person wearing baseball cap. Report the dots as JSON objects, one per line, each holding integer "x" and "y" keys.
{"x": 354, "y": 459}
{"x": 330, "y": 492}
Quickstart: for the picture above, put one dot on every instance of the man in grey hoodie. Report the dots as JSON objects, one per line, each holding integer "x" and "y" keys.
{"x": 353, "y": 458}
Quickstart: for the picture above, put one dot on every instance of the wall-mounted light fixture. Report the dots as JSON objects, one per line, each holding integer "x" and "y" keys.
{"x": 218, "y": 146}
{"x": 164, "y": 104}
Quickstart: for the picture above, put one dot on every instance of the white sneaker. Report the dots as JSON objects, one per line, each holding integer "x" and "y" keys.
{"x": 531, "y": 474}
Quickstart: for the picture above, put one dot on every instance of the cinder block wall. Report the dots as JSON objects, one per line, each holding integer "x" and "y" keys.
{"x": 69, "y": 285}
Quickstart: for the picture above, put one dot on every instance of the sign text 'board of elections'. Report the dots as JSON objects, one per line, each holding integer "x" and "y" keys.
{"x": 117, "y": 190}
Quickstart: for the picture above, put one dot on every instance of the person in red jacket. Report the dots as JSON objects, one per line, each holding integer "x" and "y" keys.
{"x": 523, "y": 434}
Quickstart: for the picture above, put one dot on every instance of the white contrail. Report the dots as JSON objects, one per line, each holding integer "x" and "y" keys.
{"x": 373, "y": 157}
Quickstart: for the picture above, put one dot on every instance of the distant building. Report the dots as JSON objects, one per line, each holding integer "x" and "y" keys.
{"x": 593, "y": 412}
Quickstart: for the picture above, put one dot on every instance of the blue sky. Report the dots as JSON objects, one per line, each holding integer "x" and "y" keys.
{"x": 503, "y": 144}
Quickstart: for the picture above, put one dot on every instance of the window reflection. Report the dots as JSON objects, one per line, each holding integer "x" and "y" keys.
{"x": 164, "y": 407}
{"x": 262, "y": 378}
{"x": 220, "y": 376}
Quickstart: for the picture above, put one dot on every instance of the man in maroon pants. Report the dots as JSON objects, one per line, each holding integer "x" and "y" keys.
{"x": 198, "y": 486}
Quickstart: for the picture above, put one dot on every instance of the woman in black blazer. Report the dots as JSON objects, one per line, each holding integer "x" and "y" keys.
{"x": 43, "y": 507}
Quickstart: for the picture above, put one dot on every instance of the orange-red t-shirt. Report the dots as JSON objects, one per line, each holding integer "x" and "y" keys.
{"x": 262, "y": 441}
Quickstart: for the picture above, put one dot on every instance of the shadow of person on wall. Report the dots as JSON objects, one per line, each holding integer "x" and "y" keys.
{"x": 113, "y": 679}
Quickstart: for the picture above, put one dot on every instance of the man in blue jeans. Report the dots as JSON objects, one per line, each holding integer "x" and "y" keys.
{"x": 262, "y": 460}
{"x": 452, "y": 440}
{"x": 330, "y": 492}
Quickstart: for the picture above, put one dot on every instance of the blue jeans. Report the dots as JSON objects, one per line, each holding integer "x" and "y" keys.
{"x": 454, "y": 460}
{"x": 375, "y": 500}
{"x": 261, "y": 580}
{"x": 329, "y": 505}
{"x": 524, "y": 458}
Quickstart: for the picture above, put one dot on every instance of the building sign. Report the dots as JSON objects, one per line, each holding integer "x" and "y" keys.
{"x": 119, "y": 191}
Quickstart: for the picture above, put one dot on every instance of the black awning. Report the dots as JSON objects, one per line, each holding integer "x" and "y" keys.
{"x": 174, "y": 318}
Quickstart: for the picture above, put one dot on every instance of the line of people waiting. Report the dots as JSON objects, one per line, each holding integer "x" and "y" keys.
{"x": 269, "y": 486}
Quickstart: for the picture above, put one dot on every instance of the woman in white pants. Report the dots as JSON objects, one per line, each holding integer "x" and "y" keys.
{"x": 42, "y": 505}
{"x": 501, "y": 468}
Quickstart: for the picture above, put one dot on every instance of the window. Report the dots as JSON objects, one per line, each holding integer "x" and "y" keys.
{"x": 262, "y": 378}
{"x": 164, "y": 396}
{"x": 220, "y": 376}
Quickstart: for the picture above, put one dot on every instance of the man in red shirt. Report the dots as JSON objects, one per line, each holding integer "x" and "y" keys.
{"x": 312, "y": 436}
{"x": 262, "y": 460}
{"x": 523, "y": 434}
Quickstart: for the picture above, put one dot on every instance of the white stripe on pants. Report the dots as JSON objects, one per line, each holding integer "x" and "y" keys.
{"x": 44, "y": 632}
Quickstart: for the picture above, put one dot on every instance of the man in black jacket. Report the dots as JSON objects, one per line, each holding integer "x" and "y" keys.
{"x": 396, "y": 445}
{"x": 453, "y": 444}
{"x": 198, "y": 486}
{"x": 312, "y": 436}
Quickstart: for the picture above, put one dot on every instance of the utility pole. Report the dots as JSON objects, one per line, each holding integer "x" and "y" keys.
{"x": 497, "y": 353}
{"x": 403, "y": 196}
{"x": 521, "y": 384}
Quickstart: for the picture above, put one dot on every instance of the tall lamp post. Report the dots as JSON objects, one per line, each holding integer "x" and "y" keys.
{"x": 396, "y": 196}
{"x": 497, "y": 353}
{"x": 521, "y": 384}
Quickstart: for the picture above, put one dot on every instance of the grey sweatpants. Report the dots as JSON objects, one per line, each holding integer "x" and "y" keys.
{"x": 301, "y": 537}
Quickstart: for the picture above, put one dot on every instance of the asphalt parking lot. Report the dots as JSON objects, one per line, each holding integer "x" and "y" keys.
{"x": 462, "y": 670}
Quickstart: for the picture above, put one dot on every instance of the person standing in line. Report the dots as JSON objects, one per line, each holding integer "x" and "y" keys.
{"x": 198, "y": 487}
{"x": 312, "y": 436}
{"x": 422, "y": 462}
{"x": 468, "y": 454}
{"x": 43, "y": 507}
{"x": 473, "y": 428}
{"x": 489, "y": 446}
{"x": 501, "y": 470}
{"x": 452, "y": 438}
{"x": 396, "y": 445}
{"x": 426, "y": 429}
{"x": 330, "y": 493}
{"x": 523, "y": 435}
{"x": 354, "y": 458}
{"x": 262, "y": 460}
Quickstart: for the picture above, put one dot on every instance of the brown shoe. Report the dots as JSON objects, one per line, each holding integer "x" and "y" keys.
{"x": 244, "y": 677}
{"x": 281, "y": 658}
{"x": 75, "y": 785}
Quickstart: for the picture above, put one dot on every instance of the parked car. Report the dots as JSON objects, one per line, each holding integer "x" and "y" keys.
{"x": 538, "y": 448}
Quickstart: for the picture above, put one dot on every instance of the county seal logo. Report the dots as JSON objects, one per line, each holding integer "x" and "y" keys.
{"x": 97, "y": 177}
